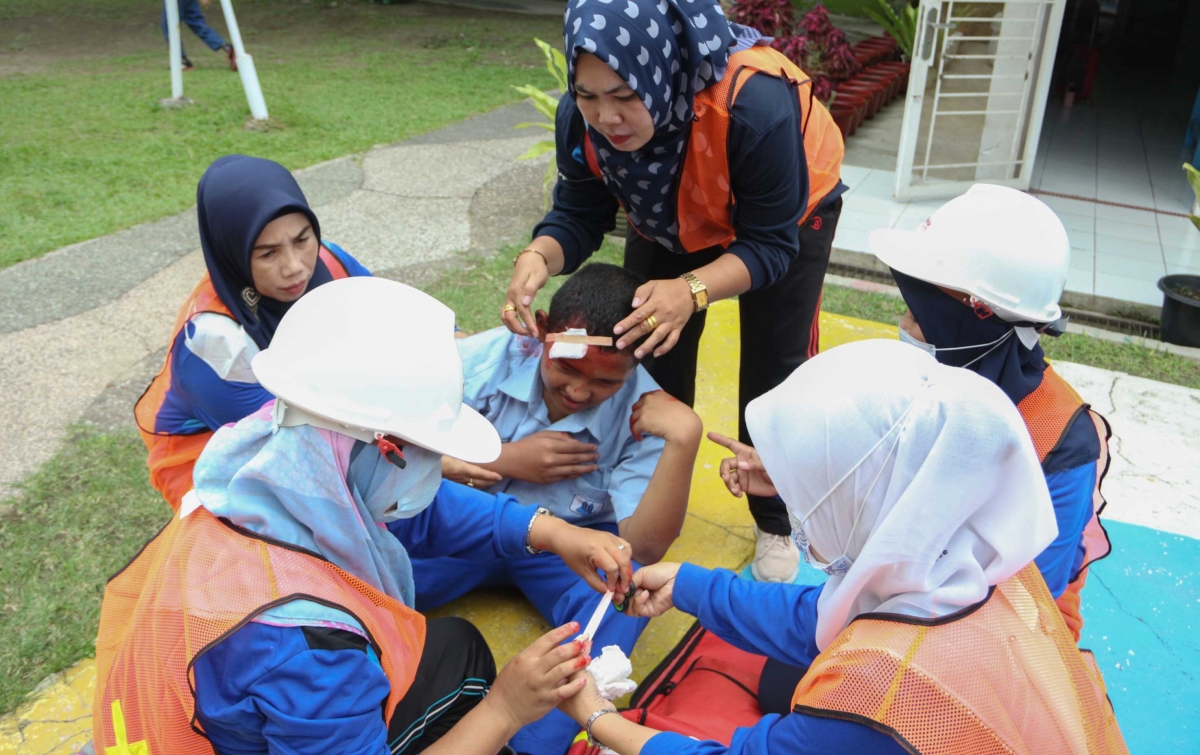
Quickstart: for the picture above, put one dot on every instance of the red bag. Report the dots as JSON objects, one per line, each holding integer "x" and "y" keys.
{"x": 705, "y": 688}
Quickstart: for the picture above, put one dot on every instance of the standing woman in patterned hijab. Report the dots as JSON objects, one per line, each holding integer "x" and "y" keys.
{"x": 728, "y": 170}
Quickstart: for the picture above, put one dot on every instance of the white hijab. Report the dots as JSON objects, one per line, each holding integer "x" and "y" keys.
{"x": 934, "y": 461}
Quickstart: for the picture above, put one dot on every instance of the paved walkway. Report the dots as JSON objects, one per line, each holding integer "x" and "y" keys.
{"x": 82, "y": 330}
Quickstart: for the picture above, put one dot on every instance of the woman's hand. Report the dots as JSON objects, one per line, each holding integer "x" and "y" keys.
{"x": 587, "y": 701}
{"x": 670, "y": 301}
{"x": 655, "y": 586}
{"x": 586, "y": 551}
{"x": 530, "y": 273}
{"x": 538, "y": 678}
{"x": 744, "y": 472}
{"x": 466, "y": 473}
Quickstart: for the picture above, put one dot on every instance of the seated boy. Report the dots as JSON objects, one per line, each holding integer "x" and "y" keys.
{"x": 593, "y": 440}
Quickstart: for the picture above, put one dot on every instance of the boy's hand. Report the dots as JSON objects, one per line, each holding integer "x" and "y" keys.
{"x": 469, "y": 474}
{"x": 743, "y": 473}
{"x": 586, "y": 550}
{"x": 549, "y": 456}
{"x": 660, "y": 414}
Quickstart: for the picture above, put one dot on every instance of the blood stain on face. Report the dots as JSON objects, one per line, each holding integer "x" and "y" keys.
{"x": 573, "y": 385}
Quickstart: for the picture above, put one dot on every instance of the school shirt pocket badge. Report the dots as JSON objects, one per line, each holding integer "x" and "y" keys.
{"x": 592, "y": 504}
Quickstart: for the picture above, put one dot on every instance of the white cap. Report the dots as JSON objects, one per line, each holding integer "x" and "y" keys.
{"x": 367, "y": 355}
{"x": 1000, "y": 245}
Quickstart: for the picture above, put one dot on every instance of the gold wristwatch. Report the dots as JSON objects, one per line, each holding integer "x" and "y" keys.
{"x": 699, "y": 292}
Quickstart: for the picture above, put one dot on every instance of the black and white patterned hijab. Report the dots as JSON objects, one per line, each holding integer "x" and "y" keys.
{"x": 666, "y": 51}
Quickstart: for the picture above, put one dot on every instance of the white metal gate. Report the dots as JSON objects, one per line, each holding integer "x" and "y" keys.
{"x": 976, "y": 94}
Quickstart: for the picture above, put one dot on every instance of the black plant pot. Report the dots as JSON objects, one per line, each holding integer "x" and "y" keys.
{"x": 1181, "y": 309}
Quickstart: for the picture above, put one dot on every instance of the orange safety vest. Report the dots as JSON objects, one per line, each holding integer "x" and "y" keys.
{"x": 1049, "y": 412}
{"x": 706, "y": 200}
{"x": 1002, "y": 677}
{"x": 196, "y": 583}
{"x": 172, "y": 457}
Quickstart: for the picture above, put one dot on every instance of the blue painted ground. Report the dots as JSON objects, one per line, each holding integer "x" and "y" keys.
{"x": 1141, "y": 611}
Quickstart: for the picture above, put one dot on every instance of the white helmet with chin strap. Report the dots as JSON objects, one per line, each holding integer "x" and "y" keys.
{"x": 1001, "y": 246}
{"x": 369, "y": 358}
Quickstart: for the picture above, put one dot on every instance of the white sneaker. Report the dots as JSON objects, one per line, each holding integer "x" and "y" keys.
{"x": 776, "y": 558}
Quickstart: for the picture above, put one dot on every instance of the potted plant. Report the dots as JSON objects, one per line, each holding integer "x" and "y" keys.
{"x": 1181, "y": 293}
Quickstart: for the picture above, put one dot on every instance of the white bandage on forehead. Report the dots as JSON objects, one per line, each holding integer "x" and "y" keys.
{"x": 573, "y": 343}
{"x": 561, "y": 350}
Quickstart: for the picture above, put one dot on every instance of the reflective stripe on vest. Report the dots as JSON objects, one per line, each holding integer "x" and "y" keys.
{"x": 1049, "y": 412}
{"x": 705, "y": 199}
{"x": 171, "y": 457}
{"x": 1000, "y": 678}
{"x": 196, "y": 583}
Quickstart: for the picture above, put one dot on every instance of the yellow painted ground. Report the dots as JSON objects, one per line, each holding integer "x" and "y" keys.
{"x": 718, "y": 532}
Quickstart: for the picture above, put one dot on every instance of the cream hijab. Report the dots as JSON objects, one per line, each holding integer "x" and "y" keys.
{"x": 922, "y": 475}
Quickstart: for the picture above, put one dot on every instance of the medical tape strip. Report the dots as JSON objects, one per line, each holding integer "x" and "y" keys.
{"x": 594, "y": 623}
{"x": 573, "y": 344}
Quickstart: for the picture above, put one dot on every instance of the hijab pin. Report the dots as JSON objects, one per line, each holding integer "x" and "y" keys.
{"x": 390, "y": 451}
{"x": 252, "y": 298}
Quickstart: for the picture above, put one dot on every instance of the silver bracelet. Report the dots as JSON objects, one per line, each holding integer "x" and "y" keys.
{"x": 537, "y": 512}
{"x": 591, "y": 720}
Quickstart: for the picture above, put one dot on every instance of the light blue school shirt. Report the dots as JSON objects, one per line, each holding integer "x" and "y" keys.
{"x": 502, "y": 382}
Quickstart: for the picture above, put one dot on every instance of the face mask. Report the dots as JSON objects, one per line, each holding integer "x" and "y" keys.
{"x": 928, "y": 348}
{"x": 931, "y": 350}
{"x": 842, "y": 563}
{"x": 388, "y": 492}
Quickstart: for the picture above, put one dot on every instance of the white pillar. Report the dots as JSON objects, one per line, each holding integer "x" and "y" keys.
{"x": 175, "y": 47}
{"x": 254, "y": 95}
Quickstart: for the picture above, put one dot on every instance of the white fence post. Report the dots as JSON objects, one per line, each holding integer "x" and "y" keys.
{"x": 175, "y": 47}
{"x": 245, "y": 64}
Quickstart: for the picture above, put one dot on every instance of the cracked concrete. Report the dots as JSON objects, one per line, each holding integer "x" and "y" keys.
{"x": 82, "y": 329}
{"x": 1154, "y": 476}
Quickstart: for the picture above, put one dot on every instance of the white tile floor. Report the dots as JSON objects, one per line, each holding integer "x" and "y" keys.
{"x": 1124, "y": 148}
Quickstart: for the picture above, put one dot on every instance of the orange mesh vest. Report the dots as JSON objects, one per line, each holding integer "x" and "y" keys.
{"x": 197, "y": 582}
{"x": 705, "y": 197}
{"x": 172, "y": 456}
{"x": 1000, "y": 678}
{"x": 1049, "y": 412}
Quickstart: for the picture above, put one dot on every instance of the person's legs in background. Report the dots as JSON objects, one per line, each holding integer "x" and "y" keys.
{"x": 560, "y": 596}
{"x": 780, "y": 331}
{"x": 190, "y": 14}
{"x": 455, "y": 672}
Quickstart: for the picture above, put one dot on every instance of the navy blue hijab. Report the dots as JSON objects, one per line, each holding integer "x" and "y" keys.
{"x": 667, "y": 51}
{"x": 948, "y": 323}
{"x": 236, "y": 199}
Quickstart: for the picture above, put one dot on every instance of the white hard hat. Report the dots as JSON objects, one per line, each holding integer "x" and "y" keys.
{"x": 367, "y": 355}
{"x": 1002, "y": 246}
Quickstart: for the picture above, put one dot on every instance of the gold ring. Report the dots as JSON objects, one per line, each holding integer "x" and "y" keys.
{"x": 508, "y": 307}
{"x": 621, "y": 547}
{"x": 651, "y": 323}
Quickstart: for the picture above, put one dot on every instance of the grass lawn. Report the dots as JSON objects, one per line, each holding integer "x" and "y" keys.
{"x": 85, "y": 149}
